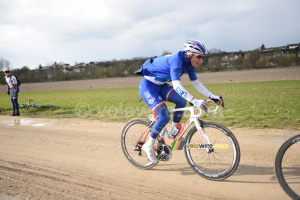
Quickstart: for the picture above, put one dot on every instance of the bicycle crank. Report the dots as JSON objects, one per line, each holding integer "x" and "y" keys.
{"x": 164, "y": 152}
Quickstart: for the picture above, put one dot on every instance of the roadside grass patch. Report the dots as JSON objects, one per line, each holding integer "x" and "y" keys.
{"x": 271, "y": 104}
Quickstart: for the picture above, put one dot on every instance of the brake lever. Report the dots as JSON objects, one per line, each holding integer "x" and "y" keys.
{"x": 206, "y": 110}
{"x": 223, "y": 105}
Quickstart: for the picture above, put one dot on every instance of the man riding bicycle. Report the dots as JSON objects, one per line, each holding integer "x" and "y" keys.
{"x": 154, "y": 89}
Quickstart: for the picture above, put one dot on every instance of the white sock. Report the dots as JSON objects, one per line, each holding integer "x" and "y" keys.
{"x": 151, "y": 141}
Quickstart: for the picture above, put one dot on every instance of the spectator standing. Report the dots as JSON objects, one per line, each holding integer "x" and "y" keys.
{"x": 12, "y": 90}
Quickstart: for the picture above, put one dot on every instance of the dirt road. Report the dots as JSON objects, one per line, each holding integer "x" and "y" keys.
{"x": 79, "y": 159}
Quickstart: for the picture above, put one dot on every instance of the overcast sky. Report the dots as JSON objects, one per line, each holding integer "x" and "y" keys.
{"x": 34, "y": 32}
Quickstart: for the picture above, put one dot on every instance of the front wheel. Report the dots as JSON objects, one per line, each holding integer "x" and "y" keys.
{"x": 215, "y": 161}
{"x": 135, "y": 133}
{"x": 287, "y": 166}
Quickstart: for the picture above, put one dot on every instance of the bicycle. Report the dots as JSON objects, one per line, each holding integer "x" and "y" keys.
{"x": 208, "y": 162}
{"x": 287, "y": 166}
{"x": 27, "y": 105}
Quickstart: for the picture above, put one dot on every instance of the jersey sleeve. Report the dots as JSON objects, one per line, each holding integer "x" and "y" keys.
{"x": 175, "y": 69}
{"x": 192, "y": 74}
{"x": 182, "y": 91}
{"x": 14, "y": 80}
{"x": 9, "y": 82}
{"x": 201, "y": 88}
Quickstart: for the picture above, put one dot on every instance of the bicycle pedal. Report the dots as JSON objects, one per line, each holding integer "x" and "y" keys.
{"x": 136, "y": 148}
{"x": 206, "y": 110}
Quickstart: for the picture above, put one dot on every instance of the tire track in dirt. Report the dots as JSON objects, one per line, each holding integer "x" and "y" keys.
{"x": 82, "y": 159}
{"x": 55, "y": 183}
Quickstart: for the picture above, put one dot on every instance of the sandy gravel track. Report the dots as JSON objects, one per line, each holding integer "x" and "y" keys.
{"x": 80, "y": 159}
{"x": 274, "y": 74}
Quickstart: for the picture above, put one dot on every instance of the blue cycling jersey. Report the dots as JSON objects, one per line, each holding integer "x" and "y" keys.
{"x": 169, "y": 68}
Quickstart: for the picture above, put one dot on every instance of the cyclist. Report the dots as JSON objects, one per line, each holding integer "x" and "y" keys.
{"x": 12, "y": 90}
{"x": 154, "y": 89}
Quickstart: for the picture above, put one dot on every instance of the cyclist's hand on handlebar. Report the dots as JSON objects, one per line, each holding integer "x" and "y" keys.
{"x": 217, "y": 99}
{"x": 199, "y": 103}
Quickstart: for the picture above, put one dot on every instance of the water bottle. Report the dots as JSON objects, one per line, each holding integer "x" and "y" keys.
{"x": 175, "y": 130}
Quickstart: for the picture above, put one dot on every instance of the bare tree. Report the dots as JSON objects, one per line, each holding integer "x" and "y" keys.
{"x": 262, "y": 48}
{"x": 4, "y": 63}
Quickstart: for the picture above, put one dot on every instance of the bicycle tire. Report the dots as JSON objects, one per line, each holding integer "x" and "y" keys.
{"x": 42, "y": 106}
{"x": 23, "y": 105}
{"x": 45, "y": 106}
{"x": 131, "y": 133}
{"x": 216, "y": 133}
{"x": 278, "y": 166}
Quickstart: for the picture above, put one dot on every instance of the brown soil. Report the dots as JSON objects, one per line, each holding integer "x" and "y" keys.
{"x": 81, "y": 159}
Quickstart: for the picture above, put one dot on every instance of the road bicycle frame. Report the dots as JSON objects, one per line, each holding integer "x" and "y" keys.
{"x": 194, "y": 118}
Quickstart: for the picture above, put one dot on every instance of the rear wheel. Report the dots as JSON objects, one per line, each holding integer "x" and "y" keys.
{"x": 215, "y": 161}
{"x": 131, "y": 134}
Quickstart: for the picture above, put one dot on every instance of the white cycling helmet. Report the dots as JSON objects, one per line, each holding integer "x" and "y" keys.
{"x": 5, "y": 69}
{"x": 194, "y": 47}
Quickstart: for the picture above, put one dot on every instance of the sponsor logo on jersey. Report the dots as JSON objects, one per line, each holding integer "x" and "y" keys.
{"x": 196, "y": 103}
{"x": 149, "y": 98}
{"x": 180, "y": 92}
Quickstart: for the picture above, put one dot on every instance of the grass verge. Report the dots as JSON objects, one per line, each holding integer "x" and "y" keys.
{"x": 256, "y": 105}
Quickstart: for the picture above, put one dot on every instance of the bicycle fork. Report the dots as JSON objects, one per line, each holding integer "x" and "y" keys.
{"x": 203, "y": 135}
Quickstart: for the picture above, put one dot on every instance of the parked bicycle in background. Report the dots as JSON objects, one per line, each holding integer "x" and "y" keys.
{"x": 27, "y": 105}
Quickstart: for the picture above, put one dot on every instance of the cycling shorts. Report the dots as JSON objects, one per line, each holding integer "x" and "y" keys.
{"x": 154, "y": 95}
